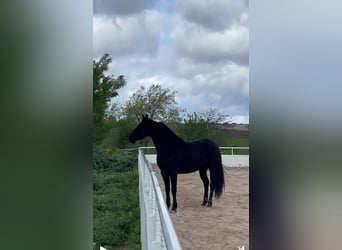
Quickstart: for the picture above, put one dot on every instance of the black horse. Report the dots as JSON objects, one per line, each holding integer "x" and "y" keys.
{"x": 175, "y": 156}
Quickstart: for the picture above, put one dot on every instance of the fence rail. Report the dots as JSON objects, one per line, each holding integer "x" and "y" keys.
{"x": 231, "y": 149}
{"x": 157, "y": 231}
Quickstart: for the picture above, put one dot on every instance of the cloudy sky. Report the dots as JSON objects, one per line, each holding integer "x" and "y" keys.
{"x": 198, "y": 48}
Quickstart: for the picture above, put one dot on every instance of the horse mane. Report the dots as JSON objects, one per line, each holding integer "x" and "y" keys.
{"x": 164, "y": 136}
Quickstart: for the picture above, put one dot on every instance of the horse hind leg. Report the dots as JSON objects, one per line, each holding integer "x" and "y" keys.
{"x": 210, "y": 201}
{"x": 174, "y": 191}
{"x": 205, "y": 180}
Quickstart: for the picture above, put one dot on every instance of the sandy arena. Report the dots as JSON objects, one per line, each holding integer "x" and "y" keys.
{"x": 223, "y": 226}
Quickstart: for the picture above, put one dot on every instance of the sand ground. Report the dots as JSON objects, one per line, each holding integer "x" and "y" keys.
{"x": 224, "y": 225}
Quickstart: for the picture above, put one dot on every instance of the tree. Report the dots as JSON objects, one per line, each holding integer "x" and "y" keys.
{"x": 194, "y": 126}
{"x": 159, "y": 103}
{"x": 201, "y": 125}
{"x": 104, "y": 88}
{"x": 212, "y": 115}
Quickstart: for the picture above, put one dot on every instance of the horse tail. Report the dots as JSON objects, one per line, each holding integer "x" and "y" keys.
{"x": 217, "y": 173}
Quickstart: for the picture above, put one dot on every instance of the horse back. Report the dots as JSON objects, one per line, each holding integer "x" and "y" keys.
{"x": 192, "y": 156}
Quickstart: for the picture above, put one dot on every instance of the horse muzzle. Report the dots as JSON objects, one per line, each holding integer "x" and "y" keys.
{"x": 131, "y": 139}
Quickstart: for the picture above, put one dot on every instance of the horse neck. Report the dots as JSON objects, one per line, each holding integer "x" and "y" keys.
{"x": 165, "y": 139}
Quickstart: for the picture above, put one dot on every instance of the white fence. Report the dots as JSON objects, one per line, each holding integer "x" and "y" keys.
{"x": 233, "y": 159}
{"x": 157, "y": 231}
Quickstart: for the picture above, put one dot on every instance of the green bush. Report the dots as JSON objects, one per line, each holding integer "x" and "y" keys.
{"x": 118, "y": 161}
{"x": 116, "y": 199}
{"x": 193, "y": 127}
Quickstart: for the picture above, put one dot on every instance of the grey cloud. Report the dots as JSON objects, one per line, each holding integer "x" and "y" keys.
{"x": 120, "y": 36}
{"x": 206, "y": 56}
{"x": 214, "y": 80}
{"x": 228, "y": 103}
{"x": 216, "y": 15}
{"x": 186, "y": 68}
{"x": 200, "y": 44}
{"x": 120, "y": 7}
{"x": 223, "y": 81}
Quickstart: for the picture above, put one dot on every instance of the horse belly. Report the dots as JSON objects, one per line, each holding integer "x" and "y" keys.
{"x": 187, "y": 169}
{"x": 192, "y": 163}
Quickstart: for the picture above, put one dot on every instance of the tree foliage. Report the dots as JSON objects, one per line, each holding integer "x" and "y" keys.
{"x": 104, "y": 88}
{"x": 201, "y": 125}
{"x": 212, "y": 115}
{"x": 117, "y": 137}
{"x": 159, "y": 103}
{"x": 193, "y": 126}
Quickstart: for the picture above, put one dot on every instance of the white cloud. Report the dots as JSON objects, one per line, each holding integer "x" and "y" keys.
{"x": 201, "y": 44}
{"x": 125, "y": 35}
{"x": 218, "y": 79}
{"x": 244, "y": 119}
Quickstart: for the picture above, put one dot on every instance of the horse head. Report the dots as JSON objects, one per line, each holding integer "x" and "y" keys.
{"x": 144, "y": 129}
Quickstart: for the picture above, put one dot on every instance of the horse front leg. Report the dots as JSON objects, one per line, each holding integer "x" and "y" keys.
{"x": 174, "y": 191}
{"x": 166, "y": 179}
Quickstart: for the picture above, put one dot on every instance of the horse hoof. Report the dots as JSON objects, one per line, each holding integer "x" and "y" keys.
{"x": 210, "y": 205}
{"x": 204, "y": 203}
{"x": 173, "y": 211}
